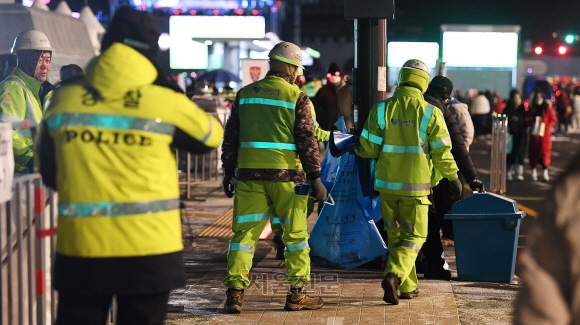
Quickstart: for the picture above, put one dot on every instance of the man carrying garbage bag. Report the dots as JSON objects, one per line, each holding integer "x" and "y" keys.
{"x": 409, "y": 138}
{"x": 270, "y": 139}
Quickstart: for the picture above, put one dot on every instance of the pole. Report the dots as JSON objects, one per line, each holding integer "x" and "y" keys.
{"x": 370, "y": 71}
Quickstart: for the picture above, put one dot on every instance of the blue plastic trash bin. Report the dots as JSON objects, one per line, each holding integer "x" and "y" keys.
{"x": 486, "y": 228}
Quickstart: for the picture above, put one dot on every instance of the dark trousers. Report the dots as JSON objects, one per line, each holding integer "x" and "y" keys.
{"x": 146, "y": 309}
{"x": 432, "y": 248}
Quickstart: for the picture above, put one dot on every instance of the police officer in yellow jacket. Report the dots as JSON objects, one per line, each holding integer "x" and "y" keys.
{"x": 23, "y": 92}
{"x": 107, "y": 146}
{"x": 270, "y": 138}
{"x": 412, "y": 144}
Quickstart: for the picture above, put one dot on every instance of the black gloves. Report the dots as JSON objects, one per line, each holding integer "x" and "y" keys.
{"x": 229, "y": 185}
{"x": 318, "y": 190}
{"x": 455, "y": 187}
{"x": 477, "y": 185}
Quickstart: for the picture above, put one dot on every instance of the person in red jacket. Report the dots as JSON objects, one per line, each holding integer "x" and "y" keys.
{"x": 541, "y": 118}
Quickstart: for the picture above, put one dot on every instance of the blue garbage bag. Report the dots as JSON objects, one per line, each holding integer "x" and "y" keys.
{"x": 328, "y": 169}
{"x": 345, "y": 235}
{"x": 329, "y": 172}
{"x": 329, "y": 164}
{"x": 341, "y": 143}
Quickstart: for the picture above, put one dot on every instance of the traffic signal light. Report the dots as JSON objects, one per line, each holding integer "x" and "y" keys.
{"x": 538, "y": 49}
{"x": 562, "y": 50}
{"x": 570, "y": 38}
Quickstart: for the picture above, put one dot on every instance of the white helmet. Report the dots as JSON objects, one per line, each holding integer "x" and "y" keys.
{"x": 287, "y": 52}
{"x": 31, "y": 40}
{"x": 414, "y": 73}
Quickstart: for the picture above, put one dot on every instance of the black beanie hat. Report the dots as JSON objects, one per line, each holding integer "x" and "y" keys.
{"x": 442, "y": 86}
{"x": 333, "y": 68}
{"x": 134, "y": 28}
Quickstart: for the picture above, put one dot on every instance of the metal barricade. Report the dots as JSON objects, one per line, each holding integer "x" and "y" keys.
{"x": 27, "y": 229}
{"x": 201, "y": 168}
{"x": 499, "y": 137}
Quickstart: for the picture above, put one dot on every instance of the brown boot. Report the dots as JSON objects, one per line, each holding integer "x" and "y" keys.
{"x": 234, "y": 301}
{"x": 409, "y": 295}
{"x": 391, "y": 286}
{"x": 297, "y": 299}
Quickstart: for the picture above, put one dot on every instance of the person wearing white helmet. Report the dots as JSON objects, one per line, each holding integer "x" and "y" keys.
{"x": 24, "y": 92}
{"x": 270, "y": 139}
{"x": 411, "y": 142}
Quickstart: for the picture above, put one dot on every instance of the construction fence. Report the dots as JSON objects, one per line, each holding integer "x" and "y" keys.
{"x": 27, "y": 229}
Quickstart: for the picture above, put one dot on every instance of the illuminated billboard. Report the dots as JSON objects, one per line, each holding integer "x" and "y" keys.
{"x": 481, "y": 47}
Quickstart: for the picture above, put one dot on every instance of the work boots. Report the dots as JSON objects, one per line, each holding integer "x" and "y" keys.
{"x": 297, "y": 299}
{"x": 391, "y": 286}
{"x": 234, "y": 301}
{"x": 409, "y": 295}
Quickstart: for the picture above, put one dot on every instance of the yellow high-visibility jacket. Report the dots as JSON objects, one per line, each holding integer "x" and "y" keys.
{"x": 409, "y": 138}
{"x": 20, "y": 101}
{"x": 106, "y": 145}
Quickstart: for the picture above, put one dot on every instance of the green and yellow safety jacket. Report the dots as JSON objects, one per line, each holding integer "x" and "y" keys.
{"x": 409, "y": 138}
{"x": 106, "y": 146}
{"x": 310, "y": 88}
{"x": 20, "y": 101}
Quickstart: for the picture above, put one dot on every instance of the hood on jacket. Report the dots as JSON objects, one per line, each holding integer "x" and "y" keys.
{"x": 119, "y": 69}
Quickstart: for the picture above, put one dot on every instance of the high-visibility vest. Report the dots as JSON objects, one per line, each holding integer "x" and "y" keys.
{"x": 266, "y": 110}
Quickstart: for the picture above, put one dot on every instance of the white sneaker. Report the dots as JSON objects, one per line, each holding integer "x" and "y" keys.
{"x": 520, "y": 173}
{"x": 545, "y": 175}
{"x": 510, "y": 175}
{"x": 534, "y": 175}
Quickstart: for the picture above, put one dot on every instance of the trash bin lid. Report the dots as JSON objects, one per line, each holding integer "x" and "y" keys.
{"x": 485, "y": 203}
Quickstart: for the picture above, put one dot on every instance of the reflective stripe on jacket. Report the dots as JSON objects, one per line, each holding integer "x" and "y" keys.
{"x": 117, "y": 178}
{"x": 408, "y": 137}
{"x": 266, "y": 111}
